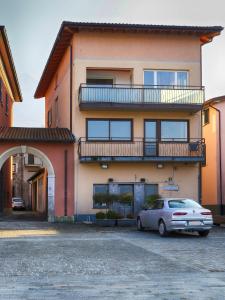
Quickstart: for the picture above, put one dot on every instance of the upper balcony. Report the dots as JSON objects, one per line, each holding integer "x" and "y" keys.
{"x": 141, "y": 97}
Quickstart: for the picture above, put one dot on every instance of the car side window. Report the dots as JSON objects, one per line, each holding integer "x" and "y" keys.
{"x": 158, "y": 204}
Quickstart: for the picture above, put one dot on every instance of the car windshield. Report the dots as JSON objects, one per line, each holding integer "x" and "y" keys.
{"x": 183, "y": 203}
{"x": 17, "y": 199}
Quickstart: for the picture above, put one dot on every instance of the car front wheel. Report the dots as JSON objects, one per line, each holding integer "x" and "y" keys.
{"x": 139, "y": 225}
{"x": 203, "y": 233}
{"x": 162, "y": 229}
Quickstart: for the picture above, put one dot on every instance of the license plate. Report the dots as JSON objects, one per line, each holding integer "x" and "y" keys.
{"x": 195, "y": 223}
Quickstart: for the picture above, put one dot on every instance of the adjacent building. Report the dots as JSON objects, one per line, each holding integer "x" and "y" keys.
{"x": 213, "y": 173}
{"x": 9, "y": 93}
{"x": 132, "y": 95}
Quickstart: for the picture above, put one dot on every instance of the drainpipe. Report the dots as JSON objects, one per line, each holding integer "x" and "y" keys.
{"x": 220, "y": 157}
{"x": 71, "y": 87}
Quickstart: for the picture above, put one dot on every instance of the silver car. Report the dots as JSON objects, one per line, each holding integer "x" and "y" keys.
{"x": 17, "y": 203}
{"x": 176, "y": 214}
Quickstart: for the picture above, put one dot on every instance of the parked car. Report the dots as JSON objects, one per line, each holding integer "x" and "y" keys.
{"x": 17, "y": 203}
{"x": 176, "y": 214}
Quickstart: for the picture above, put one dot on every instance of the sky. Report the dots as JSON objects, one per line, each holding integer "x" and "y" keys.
{"x": 32, "y": 26}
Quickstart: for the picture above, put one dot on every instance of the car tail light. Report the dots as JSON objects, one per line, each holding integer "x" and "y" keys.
{"x": 206, "y": 213}
{"x": 179, "y": 213}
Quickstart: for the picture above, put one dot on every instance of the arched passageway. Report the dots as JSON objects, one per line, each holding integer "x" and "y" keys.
{"x": 55, "y": 148}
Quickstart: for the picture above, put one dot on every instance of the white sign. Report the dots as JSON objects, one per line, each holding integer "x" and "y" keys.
{"x": 171, "y": 188}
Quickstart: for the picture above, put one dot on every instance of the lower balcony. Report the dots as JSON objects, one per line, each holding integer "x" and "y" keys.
{"x": 140, "y": 150}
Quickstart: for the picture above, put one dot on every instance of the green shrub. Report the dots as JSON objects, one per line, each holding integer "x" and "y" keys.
{"x": 126, "y": 198}
{"x": 100, "y": 215}
{"x": 111, "y": 214}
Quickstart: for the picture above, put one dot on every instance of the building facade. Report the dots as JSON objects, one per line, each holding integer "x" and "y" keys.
{"x": 213, "y": 173}
{"x": 9, "y": 92}
{"x": 132, "y": 95}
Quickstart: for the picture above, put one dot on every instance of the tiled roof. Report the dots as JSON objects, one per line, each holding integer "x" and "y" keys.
{"x": 47, "y": 135}
{"x": 12, "y": 75}
{"x": 67, "y": 29}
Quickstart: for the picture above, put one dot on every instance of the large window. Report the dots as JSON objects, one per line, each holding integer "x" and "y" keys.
{"x": 115, "y": 130}
{"x": 165, "y": 78}
{"x": 165, "y": 130}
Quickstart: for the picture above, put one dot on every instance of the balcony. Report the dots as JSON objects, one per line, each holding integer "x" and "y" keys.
{"x": 139, "y": 150}
{"x": 134, "y": 97}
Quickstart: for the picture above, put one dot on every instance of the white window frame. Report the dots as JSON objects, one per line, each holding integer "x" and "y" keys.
{"x": 165, "y": 70}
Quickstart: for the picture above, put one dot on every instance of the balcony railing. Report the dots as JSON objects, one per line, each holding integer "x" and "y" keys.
{"x": 192, "y": 150}
{"x": 93, "y": 96}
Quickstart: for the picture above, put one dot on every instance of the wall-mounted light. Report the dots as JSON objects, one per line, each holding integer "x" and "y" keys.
{"x": 104, "y": 166}
{"x": 142, "y": 180}
{"x": 160, "y": 166}
{"x": 110, "y": 179}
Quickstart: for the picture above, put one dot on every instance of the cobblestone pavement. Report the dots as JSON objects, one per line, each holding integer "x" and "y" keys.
{"x": 60, "y": 261}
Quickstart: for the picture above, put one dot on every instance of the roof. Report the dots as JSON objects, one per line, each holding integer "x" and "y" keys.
{"x": 214, "y": 100}
{"x": 46, "y": 135}
{"x": 67, "y": 29}
{"x": 39, "y": 172}
{"x": 9, "y": 65}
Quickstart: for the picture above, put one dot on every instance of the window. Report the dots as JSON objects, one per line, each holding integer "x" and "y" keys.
{"x": 150, "y": 190}
{"x": 99, "y": 191}
{"x": 183, "y": 203}
{"x": 116, "y": 130}
{"x": 159, "y": 204}
{"x": 30, "y": 159}
{"x": 166, "y": 130}
{"x": 100, "y": 81}
{"x": 205, "y": 116}
{"x": 6, "y": 103}
{"x": 49, "y": 118}
{"x": 164, "y": 77}
{"x": 174, "y": 131}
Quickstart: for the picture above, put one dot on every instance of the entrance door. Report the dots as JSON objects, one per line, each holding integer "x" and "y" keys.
{"x": 150, "y": 140}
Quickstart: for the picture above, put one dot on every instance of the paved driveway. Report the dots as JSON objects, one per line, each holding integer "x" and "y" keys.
{"x": 42, "y": 261}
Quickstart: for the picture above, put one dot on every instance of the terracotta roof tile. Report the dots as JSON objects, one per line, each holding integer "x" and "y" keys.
{"x": 25, "y": 134}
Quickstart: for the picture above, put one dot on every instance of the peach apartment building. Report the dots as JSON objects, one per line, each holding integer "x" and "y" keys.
{"x": 132, "y": 95}
{"x": 213, "y": 173}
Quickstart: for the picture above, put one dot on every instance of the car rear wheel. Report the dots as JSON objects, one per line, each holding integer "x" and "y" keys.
{"x": 162, "y": 229}
{"x": 203, "y": 233}
{"x": 139, "y": 225}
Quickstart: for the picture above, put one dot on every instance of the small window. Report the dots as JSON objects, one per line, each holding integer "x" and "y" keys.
{"x": 50, "y": 118}
{"x": 6, "y": 103}
{"x": 99, "y": 191}
{"x": 205, "y": 116}
{"x": 30, "y": 159}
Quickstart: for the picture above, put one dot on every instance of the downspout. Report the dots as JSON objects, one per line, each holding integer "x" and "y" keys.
{"x": 71, "y": 87}
{"x": 220, "y": 162}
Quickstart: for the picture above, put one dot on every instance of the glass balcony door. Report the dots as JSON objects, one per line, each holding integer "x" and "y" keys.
{"x": 150, "y": 139}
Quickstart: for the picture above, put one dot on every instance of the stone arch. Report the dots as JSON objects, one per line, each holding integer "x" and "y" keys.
{"x": 48, "y": 165}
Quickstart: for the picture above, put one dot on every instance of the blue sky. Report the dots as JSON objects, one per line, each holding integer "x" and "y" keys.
{"x": 32, "y": 26}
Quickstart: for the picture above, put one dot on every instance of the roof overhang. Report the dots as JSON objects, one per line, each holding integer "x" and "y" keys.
{"x": 67, "y": 29}
{"x": 214, "y": 101}
{"x": 6, "y": 55}
{"x": 39, "y": 135}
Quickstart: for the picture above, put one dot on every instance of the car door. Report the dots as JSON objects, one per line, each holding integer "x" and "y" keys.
{"x": 146, "y": 217}
{"x": 156, "y": 214}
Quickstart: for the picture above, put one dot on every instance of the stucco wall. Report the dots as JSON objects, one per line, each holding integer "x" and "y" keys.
{"x": 185, "y": 176}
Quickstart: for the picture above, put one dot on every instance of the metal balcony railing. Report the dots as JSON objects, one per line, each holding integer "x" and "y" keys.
{"x": 138, "y": 94}
{"x": 139, "y": 149}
